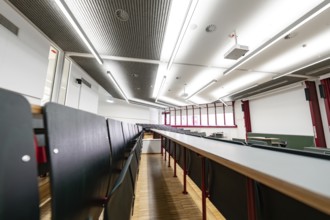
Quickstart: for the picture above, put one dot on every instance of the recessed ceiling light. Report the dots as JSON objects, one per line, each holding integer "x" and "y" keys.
{"x": 138, "y": 88}
{"x": 134, "y": 75}
{"x": 122, "y": 15}
{"x": 210, "y": 28}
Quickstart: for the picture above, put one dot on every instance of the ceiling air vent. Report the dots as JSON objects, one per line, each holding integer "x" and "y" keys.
{"x": 7, "y": 24}
{"x": 122, "y": 15}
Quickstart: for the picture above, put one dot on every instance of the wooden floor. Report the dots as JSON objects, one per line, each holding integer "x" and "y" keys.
{"x": 159, "y": 194}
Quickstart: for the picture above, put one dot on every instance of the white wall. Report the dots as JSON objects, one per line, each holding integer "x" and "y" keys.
{"x": 282, "y": 113}
{"x": 80, "y": 96}
{"x": 131, "y": 113}
{"x": 24, "y": 58}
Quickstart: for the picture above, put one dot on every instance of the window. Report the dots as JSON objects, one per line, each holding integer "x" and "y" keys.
{"x": 190, "y": 115}
{"x": 197, "y": 116}
{"x": 229, "y": 115}
{"x": 52, "y": 61}
{"x": 213, "y": 115}
{"x": 220, "y": 116}
{"x": 64, "y": 81}
{"x": 204, "y": 121}
{"x": 184, "y": 116}
{"x": 172, "y": 119}
{"x": 178, "y": 117}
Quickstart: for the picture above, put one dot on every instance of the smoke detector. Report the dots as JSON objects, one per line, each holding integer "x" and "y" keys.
{"x": 237, "y": 51}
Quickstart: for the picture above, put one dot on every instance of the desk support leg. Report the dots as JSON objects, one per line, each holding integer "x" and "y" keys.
{"x": 161, "y": 145}
{"x": 184, "y": 171}
{"x": 203, "y": 189}
{"x": 251, "y": 199}
{"x": 174, "y": 155}
{"x": 165, "y": 150}
{"x": 169, "y": 154}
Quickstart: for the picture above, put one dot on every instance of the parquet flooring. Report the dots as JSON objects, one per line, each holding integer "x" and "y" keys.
{"x": 159, "y": 195}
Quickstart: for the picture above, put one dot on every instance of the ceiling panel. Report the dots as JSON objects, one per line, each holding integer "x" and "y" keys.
{"x": 265, "y": 87}
{"x": 49, "y": 19}
{"x": 317, "y": 69}
{"x": 304, "y": 45}
{"x": 135, "y": 79}
{"x": 132, "y": 49}
{"x": 141, "y": 36}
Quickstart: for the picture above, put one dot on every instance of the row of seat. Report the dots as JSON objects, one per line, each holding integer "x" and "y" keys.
{"x": 93, "y": 162}
{"x": 228, "y": 191}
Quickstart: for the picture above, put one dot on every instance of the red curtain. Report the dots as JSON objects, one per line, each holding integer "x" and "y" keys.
{"x": 326, "y": 88}
{"x": 247, "y": 119}
{"x": 316, "y": 114}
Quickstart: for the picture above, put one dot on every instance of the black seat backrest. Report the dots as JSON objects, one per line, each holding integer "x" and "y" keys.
{"x": 117, "y": 144}
{"x": 126, "y": 132}
{"x": 120, "y": 201}
{"x": 79, "y": 155}
{"x": 19, "y": 197}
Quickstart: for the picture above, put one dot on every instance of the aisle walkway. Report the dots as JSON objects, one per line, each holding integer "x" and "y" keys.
{"x": 159, "y": 195}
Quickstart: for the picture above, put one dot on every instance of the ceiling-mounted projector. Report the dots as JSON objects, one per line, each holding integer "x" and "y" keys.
{"x": 237, "y": 50}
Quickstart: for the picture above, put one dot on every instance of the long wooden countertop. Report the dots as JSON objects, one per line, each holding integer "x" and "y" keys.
{"x": 36, "y": 109}
{"x": 303, "y": 178}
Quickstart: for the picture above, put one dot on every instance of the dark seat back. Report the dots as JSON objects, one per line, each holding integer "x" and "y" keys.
{"x": 120, "y": 201}
{"x": 19, "y": 197}
{"x": 79, "y": 155}
{"x": 118, "y": 145}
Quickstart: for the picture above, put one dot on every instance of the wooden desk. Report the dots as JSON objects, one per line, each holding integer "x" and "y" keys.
{"x": 36, "y": 109}
{"x": 302, "y": 178}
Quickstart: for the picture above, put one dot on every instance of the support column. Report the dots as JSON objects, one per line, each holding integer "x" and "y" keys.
{"x": 169, "y": 154}
{"x": 203, "y": 189}
{"x": 251, "y": 199}
{"x": 161, "y": 145}
{"x": 174, "y": 155}
{"x": 184, "y": 171}
{"x": 165, "y": 150}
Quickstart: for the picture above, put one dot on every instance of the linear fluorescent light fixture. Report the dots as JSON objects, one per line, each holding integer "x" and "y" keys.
{"x": 166, "y": 104}
{"x": 302, "y": 20}
{"x": 66, "y": 11}
{"x": 285, "y": 74}
{"x": 117, "y": 86}
{"x": 242, "y": 90}
{"x": 147, "y": 104}
{"x": 201, "y": 89}
{"x": 188, "y": 16}
{"x": 223, "y": 102}
{"x": 191, "y": 102}
{"x": 160, "y": 88}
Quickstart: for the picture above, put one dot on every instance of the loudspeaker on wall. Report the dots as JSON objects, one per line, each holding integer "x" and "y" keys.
{"x": 307, "y": 95}
{"x": 321, "y": 89}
